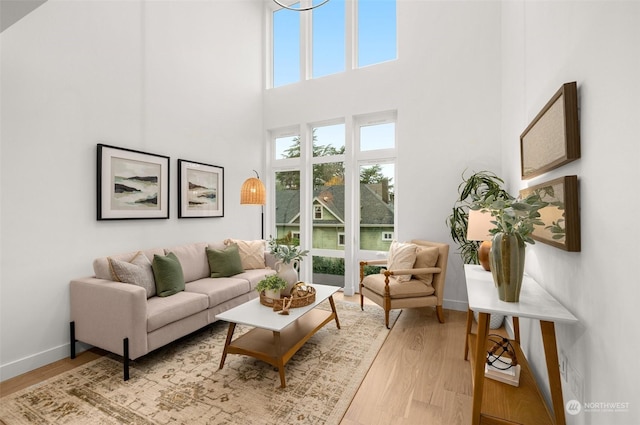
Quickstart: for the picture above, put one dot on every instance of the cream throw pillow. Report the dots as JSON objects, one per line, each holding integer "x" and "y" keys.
{"x": 426, "y": 257}
{"x": 401, "y": 256}
{"x": 136, "y": 272}
{"x": 251, "y": 253}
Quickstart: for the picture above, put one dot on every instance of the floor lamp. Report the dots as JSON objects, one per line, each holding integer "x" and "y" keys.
{"x": 254, "y": 193}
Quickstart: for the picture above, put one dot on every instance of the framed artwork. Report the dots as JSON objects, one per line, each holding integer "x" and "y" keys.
{"x": 131, "y": 184}
{"x": 561, "y": 217}
{"x": 553, "y": 137}
{"x": 200, "y": 190}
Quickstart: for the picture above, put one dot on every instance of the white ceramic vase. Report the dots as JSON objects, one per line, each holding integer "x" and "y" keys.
{"x": 288, "y": 273}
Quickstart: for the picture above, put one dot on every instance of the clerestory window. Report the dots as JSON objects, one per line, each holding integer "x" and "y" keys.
{"x": 338, "y": 36}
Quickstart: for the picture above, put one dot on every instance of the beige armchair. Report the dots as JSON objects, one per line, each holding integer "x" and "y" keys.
{"x": 424, "y": 289}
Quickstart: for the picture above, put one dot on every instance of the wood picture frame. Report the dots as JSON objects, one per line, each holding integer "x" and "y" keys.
{"x": 561, "y": 216}
{"x": 200, "y": 190}
{"x": 131, "y": 184}
{"x": 553, "y": 137}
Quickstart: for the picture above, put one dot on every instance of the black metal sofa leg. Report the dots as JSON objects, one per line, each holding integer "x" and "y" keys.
{"x": 72, "y": 339}
{"x": 125, "y": 352}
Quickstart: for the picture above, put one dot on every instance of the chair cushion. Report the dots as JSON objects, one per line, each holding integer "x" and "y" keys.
{"x": 138, "y": 271}
{"x": 224, "y": 262}
{"x": 426, "y": 257}
{"x": 410, "y": 289}
{"x": 401, "y": 256}
{"x": 168, "y": 274}
{"x": 251, "y": 253}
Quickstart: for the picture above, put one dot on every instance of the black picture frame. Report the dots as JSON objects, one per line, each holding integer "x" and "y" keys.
{"x": 200, "y": 190}
{"x": 131, "y": 184}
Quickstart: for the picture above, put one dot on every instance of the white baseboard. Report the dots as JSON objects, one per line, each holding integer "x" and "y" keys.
{"x": 455, "y": 305}
{"x": 30, "y": 363}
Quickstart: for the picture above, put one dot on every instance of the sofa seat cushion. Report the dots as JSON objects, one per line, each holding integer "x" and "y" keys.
{"x": 164, "y": 310}
{"x": 220, "y": 289}
{"x": 411, "y": 289}
{"x": 255, "y": 276}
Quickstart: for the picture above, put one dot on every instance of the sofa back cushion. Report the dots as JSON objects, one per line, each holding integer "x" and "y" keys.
{"x": 101, "y": 265}
{"x": 193, "y": 259}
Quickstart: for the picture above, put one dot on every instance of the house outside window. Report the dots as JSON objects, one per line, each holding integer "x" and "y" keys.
{"x": 387, "y": 236}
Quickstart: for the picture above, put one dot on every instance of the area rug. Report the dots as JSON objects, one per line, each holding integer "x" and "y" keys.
{"x": 181, "y": 383}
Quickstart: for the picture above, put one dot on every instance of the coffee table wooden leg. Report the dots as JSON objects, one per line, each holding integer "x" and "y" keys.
{"x": 333, "y": 308}
{"x": 232, "y": 328}
{"x": 280, "y": 358}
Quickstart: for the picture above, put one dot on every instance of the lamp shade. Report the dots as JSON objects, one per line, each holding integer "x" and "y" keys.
{"x": 252, "y": 192}
{"x": 478, "y": 230}
{"x": 479, "y": 225}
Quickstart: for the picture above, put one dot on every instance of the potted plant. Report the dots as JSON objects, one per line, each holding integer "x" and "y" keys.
{"x": 514, "y": 221}
{"x": 271, "y": 285}
{"x": 289, "y": 256}
{"x": 479, "y": 185}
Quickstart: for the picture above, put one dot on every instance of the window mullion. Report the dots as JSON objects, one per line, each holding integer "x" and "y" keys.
{"x": 306, "y": 60}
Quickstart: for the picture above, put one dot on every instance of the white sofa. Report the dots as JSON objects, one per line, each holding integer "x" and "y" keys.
{"x": 121, "y": 318}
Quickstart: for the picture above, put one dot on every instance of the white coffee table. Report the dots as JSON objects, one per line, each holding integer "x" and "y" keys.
{"x": 276, "y": 337}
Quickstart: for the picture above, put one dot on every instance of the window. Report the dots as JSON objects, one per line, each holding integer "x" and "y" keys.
{"x": 313, "y": 44}
{"x": 334, "y": 184}
{"x": 377, "y": 136}
{"x": 376, "y": 31}
{"x": 286, "y": 47}
{"x": 328, "y": 51}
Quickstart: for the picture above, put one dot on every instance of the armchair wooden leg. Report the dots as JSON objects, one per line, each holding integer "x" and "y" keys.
{"x": 386, "y": 318}
{"x": 361, "y": 299}
{"x": 440, "y": 313}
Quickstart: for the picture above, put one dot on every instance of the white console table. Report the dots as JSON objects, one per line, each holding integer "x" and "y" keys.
{"x": 498, "y": 403}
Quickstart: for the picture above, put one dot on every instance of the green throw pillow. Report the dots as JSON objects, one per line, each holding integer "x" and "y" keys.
{"x": 225, "y": 262}
{"x": 168, "y": 274}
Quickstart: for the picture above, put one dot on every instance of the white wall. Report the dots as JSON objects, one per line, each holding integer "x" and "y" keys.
{"x": 594, "y": 43}
{"x": 445, "y": 86}
{"x": 180, "y": 78}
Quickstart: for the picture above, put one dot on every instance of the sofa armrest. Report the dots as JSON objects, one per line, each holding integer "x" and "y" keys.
{"x": 105, "y": 312}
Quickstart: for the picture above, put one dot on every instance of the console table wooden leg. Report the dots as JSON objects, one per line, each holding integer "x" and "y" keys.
{"x": 466, "y": 339}
{"x": 478, "y": 372}
{"x": 553, "y": 369}
{"x": 280, "y": 358}
{"x": 516, "y": 329}
{"x": 335, "y": 312}
{"x": 232, "y": 328}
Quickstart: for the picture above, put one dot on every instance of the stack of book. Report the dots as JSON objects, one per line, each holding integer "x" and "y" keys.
{"x": 498, "y": 372}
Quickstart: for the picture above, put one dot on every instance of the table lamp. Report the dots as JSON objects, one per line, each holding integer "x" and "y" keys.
{"x": 478, "y": 228}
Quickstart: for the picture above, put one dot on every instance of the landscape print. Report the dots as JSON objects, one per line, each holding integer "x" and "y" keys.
{"x": 135, "y": 184}
{"x": 202, "y": 194}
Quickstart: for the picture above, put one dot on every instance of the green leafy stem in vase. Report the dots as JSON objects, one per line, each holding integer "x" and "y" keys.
{"x": 284, "y": 249}
{"x": 511, "y": 215}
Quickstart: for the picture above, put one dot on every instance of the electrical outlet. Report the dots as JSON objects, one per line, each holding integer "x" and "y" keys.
{"x": 563, "y": 366}
{"x": 576, "y": 383}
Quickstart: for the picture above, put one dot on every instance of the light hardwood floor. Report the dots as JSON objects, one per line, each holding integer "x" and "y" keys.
{"x": 419, "y": 376}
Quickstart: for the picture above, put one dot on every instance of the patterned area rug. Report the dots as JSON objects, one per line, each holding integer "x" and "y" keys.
{"x": 181, "y": 383}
